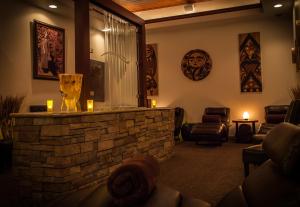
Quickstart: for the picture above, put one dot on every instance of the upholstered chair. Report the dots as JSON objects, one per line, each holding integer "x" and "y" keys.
{"x": 212, "y": 130}
{"x": 179, "y": 114}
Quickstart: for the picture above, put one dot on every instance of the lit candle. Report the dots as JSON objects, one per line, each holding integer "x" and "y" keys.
{"x": 246, "y": 115}
{"x": 153, "y": 103}
{"x": 50, "y": 105}
{"x": 90, "y": 105}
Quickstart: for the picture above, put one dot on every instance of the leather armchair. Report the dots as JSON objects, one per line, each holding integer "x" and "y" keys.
{"x": 162, "y": 196}
{"x": 179, "y": 114}
{"x": 212, "y": 130}
{"x": 274, "y": 114}
{"x": 293, "y": 113}
{"x": 276, "y": 182}
{"x": 223, "y": 112}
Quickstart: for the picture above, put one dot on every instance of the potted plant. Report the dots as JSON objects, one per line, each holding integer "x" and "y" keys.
{"x": 295, "y": 91}
{"x": 8, "y": 105}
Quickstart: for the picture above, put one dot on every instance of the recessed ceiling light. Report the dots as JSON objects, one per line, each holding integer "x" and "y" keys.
{"x": 106, "y": 29}
{"x": 189, "y": 8}
{"x": 53, "y": 6}
{"x": 278, "y": 5}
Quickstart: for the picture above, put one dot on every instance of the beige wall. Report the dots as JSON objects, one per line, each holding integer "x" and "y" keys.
{"x": 222, "y": 86}
{"x": 16, "y": 52}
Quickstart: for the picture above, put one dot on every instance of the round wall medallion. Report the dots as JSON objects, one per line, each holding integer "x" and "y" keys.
{"x": 196, "y": 64}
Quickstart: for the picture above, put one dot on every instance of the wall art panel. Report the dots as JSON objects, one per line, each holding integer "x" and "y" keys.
{"x": 151, "y": 70}
{"x": 250, "y": 62}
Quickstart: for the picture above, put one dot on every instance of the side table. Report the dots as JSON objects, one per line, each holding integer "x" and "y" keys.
{"x": 243, "y": 122}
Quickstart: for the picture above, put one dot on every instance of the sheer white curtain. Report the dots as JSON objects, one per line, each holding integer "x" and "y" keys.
{"x": 120, "y": 62}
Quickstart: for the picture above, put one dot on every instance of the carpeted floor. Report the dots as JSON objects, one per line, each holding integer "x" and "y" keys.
{"x": 204, "y": 172}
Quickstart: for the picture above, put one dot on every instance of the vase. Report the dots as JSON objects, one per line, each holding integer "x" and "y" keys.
{"x": 70, "y": 88}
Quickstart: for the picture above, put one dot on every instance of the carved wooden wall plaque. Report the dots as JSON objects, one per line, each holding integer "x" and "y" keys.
{"x": 196, "y": 64}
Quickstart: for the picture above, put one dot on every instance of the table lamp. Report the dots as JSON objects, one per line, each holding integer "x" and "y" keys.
{"x": 246, "y": 115}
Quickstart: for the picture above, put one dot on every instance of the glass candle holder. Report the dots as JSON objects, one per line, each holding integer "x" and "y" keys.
{"x": 90, "y": 105}
{"x": 49, "y": 105}
{"x": 153, "y": 103}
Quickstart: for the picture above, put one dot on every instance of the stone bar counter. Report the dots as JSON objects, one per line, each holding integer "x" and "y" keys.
{"x": 57, "y": 153}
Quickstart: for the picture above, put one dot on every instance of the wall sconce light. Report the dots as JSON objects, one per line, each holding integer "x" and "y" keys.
{"x": 153, "y": 103}
{"x": 246, "y": 115}
{"x": 49, "y": 105}
{"x": 90, "y": 105}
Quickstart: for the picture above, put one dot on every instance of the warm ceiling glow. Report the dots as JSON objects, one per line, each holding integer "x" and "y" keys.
{"x": 278, "y": 5}
{"x": 53, "y": 6}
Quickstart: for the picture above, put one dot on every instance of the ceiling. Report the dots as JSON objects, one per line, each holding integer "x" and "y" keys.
{"x": 162, "y": 9}
{"x": 142, "y": 5}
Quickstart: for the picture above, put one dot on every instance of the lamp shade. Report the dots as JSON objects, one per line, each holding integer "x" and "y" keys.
{"x": 246, "y": 115}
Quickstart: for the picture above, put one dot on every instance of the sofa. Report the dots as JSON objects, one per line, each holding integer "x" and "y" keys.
{"x": 212, "y": 130}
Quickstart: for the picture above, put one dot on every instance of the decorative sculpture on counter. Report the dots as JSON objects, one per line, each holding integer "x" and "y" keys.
{"x": 70, "y": 88}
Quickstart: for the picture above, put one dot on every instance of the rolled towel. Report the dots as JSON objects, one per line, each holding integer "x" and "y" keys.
{"x": 133, "y": 182}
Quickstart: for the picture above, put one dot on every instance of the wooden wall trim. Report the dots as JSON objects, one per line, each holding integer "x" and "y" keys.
{"x": 142, "y": 92}
{"x": 116, "y": 9}
{"x": 218, "y": 11}
{"x": 82, "y": 45}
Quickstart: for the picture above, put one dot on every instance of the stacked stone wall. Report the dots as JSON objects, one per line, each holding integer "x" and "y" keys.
{"x": 56, "y": 154}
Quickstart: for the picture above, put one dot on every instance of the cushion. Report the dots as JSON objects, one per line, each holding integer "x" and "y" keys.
{"x": 264, "y": 128}
{"x": 192, "y": 202}
{"x": 211, "y": 119}
{"x": 162, "y": 196}
{"x": 275, "y": 118}
{"x": 207, "y": 129}
{"x": 277, "y": 109}
{"x": 282, "y": 145}
{"x": 234, "y": 198}
{"x": 133, "y": 182}
{"x": 222, "y": 111}
{"x": 267, "y": 186}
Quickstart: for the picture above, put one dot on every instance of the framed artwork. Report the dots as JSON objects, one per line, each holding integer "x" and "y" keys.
{"x": 151, "y": 70}
{"x": 95, "y": 80}
{"x": 48, "y": 51}
{"x": 196, "y": 64}
{"x": 250, "y": 62}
